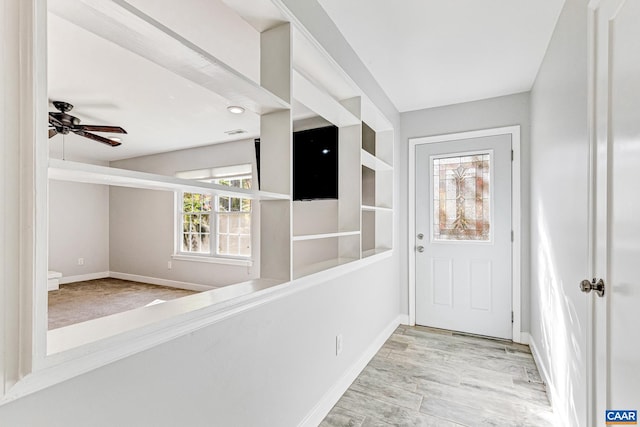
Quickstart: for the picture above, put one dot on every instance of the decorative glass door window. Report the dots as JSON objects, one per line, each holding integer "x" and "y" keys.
{"x": 461, "y": 197}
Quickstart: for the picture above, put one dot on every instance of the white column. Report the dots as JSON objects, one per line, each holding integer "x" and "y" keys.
{"x": 23, "y": 187}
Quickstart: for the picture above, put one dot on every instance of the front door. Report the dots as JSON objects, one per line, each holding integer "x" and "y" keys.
{"x": 463, "y": 235}
{"x": 616, "y": 130}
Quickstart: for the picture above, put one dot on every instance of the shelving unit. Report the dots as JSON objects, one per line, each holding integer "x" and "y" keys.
{"x": 326, "y": 233}
{"x": 297, "y": 238}
{"x": 377, "y": 191}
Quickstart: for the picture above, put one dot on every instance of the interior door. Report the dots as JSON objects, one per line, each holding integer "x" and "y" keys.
{"x": 615, "y": 36}
{"x": 463, "y": 235}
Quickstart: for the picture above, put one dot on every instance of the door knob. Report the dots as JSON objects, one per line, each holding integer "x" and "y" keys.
{"x": 420, "y": 249}
{"x": 587, "y": 286}
{"x": 420, "y": 236}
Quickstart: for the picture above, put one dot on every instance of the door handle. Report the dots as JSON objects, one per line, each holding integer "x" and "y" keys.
{"x": 587, "y": 286}
{"x": 420, "y": 249}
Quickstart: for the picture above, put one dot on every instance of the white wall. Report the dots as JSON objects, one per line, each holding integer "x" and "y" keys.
{"x": 266, "y": 367}
{"x": 490, "y": 113}
{"x": 559, "y": 155}
{"x": 142, "y": 221}
{"x": 78, "y": 228}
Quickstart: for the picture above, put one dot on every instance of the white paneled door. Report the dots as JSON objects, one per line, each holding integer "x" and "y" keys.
{"x": 463, "y": 235}
{"x": 615, "y": 36}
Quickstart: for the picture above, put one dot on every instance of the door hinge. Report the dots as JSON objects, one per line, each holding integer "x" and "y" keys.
{"x": 512, "y": 317}
{"x": 512, "y": 155}
{"x": 512, "y": 235}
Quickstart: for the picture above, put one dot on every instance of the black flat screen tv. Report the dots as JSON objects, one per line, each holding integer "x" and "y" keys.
{"x": 315, "y": 164}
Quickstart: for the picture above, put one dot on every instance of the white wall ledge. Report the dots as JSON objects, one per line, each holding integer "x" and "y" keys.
{"x": 77, "y": 349}
{"x": 65, "y": 170}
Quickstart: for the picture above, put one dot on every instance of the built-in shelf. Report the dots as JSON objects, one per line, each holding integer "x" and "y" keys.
{"x": 321, "y": 103}
{"x": 376, "y": 208}
{"x": 64, "y": 170}
{"x": 374, "y": 163}
{"x": 320, "y": 266}
{"x": 371, "y": 252}
{"x": 376, "y": 212}
{"x": 325, "y": 235}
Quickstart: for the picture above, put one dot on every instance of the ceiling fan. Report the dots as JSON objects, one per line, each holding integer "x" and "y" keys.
{"x": 62, "y": 122}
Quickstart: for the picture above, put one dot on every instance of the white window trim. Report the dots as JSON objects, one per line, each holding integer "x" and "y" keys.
{"x": 212, "y": 257}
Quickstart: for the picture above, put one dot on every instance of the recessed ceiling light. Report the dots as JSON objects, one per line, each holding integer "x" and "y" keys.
{"x": 235, "y": 109}
{"x": 115, "y": 139}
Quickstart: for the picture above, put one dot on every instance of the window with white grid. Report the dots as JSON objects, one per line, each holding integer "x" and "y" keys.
{"x": 216, "y": 225}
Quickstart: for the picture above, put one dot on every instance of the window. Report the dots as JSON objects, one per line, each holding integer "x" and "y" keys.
{"x": 461, "y": 197}
{"x": 233, "y": 228}
{"x": 228, "y": 217}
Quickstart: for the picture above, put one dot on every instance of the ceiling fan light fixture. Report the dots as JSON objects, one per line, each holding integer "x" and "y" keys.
{"x": 115, "y": 139}
{"x": 235, "y": 109}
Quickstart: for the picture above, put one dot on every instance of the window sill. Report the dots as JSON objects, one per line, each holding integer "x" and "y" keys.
{"x": 244, "y": 262}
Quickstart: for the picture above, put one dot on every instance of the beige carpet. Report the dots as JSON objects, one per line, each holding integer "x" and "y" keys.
{"x": 82, "y": 301}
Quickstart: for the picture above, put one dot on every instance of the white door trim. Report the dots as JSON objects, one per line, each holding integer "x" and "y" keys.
{"x": 516, "y": 215}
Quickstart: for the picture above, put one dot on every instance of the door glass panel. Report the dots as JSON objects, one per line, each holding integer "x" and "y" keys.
{"x": 461, "y": 194}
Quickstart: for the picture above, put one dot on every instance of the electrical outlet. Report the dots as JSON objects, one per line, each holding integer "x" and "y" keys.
{"x": 169, "y": 265}
{"x": 80, "y": 261}
{"x": 338, "y": 344}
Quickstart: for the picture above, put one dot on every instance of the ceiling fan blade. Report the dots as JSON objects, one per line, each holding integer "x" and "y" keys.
{"x": 97, "y": 138}
{"x": 52, "y": 132}
{"x": 98, "y": 128}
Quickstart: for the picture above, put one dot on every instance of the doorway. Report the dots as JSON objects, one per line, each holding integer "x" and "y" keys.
{"x": 464, "y": 232}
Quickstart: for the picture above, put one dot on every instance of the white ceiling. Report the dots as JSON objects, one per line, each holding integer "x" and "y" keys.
{"x": 108, "y": 84}
{"x": 422, "y": 52}
{"x": 427, "y": 53}
{"x": 161, "y": 111}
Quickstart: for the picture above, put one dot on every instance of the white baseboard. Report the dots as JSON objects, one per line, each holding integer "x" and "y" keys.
{"x": 403, "y": 319}
{"x": 53, "y": 284}
{"x": 544, "y": 374}
{"x": 82, "y": 277}
{"x": 320, "y": 411}
{"x": 525, "y": 338}
{"x": 162, "y": 282}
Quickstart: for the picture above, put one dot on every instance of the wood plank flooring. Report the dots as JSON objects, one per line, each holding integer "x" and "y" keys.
{"x": 431, "y": 377}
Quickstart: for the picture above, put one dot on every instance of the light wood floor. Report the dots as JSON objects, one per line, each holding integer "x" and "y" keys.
{"x": 81, "y": 301}
{"x": 431, "y": 377}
